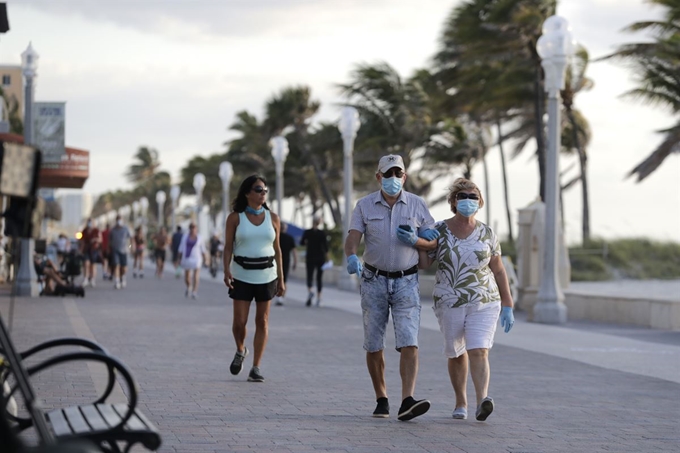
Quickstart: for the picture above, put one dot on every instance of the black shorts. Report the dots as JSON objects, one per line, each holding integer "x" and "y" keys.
{"x": 263, "y": 292}
{"x": 159, "y": 254}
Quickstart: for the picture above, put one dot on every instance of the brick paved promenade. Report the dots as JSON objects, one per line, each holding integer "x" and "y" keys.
{"x": 583, "y": 388}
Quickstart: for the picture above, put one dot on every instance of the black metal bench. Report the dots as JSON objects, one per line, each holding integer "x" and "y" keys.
{"x": 112, "y": 428}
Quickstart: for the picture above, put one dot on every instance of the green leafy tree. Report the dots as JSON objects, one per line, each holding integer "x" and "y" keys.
{"x": 655, "y": 65}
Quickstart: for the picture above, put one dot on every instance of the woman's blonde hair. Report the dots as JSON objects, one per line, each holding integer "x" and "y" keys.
{"x": 459, "y": 185}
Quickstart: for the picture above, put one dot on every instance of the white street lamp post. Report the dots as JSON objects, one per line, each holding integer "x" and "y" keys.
{"x": 27, "y": 279}
{"x": 160, "y": 201}
{"x": 124, "y": 213}
{"x": 554, "y": 47}
{"x": 279, "y": 152}
{"x": 144, "y": 210}
{"x": 174, "y": 197}
{"x": 349, "y": 126}
{"x": 135, "y": 213}
{"x": 226, "y": 172}
{"x": 199, "y": 184}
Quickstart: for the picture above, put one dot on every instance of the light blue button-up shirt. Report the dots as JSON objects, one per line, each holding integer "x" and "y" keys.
{"x": 378, "y": 222}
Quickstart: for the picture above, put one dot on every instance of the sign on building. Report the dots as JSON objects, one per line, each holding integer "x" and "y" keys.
{"x": 49, "y": 126}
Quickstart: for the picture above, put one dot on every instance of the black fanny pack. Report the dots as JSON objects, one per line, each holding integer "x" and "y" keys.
{"x": 247, "y": 262}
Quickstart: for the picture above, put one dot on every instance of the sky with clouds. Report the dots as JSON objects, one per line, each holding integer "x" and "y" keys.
{"x": 171, "y": 74}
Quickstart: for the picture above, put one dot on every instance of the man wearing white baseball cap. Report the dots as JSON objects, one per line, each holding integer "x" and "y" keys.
{"x": 394, "y": 224}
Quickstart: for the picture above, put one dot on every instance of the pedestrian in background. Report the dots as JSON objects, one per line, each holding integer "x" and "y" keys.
{"x": 139, "y": 245}
{"x": 119, "y": 242}
{"x": 106, "y": 253}
{"x": 174, "y": 248}
{"x": 287, "y": 244}
{"x": 160, "y": 242}
{"x": 90, "y": 249}
{"x": 391, "y": 221}
{"x": 192, "y": 254}
{"x": 251, "y": 237}
{"x": 471, "y": 290}
{"x": 316, "y": 256}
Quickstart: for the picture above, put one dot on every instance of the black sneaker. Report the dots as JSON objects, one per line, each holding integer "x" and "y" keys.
{"x": 237, "y": 363}
{"x": 309, "y": 300}
{"x": 382, "y": 410}
{"x": 484, "y": 410}
{"x": 255, "y": 375}
{"x": 411, "y": 408}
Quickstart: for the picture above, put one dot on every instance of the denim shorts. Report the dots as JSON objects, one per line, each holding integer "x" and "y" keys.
{"x": 379, "y": 296}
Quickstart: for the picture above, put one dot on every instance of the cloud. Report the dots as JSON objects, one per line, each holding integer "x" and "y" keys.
{"x": 203, "y": 19}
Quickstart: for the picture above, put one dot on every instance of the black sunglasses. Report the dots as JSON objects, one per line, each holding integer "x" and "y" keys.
{"x": 464, "y": 196}
{"x": 393, "y": 172}
{"x": 260, "y": 189}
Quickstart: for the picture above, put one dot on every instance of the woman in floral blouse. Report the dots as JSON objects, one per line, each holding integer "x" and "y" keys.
{"x": 471, "y": 289}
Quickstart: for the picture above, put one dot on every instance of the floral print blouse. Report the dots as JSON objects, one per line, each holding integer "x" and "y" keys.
{"x": 463, "y": 274}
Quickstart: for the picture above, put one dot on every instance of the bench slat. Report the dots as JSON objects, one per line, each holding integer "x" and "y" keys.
{"x": 108, "y": 414}
{"x": 94, "y": 418}
{"x": 133, "y": 423}
{"x": 76, "y": 420}
{"x": 59, "y": 424}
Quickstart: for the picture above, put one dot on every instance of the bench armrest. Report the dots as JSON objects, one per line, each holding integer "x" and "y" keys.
{"x": 75, "y": 341}
{"x": 113, "y": 365}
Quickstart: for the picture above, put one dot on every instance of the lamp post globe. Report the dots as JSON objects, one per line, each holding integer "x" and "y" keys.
{"x": 27, "y": 279}
{"x": 199, "y": 184}
{"x": 280, "y": 151}
{"x": 226, "y": 172}
{"x": 135, "y": 213}
{"x": 349, "y": 126}
{"x": 160, "y": 202}
{"x": 555, "y": 47}
{"x": 174, "y": 197}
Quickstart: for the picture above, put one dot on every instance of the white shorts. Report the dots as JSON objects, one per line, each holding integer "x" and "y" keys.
{"x": 190, "y": 263}
{"x": 467, "y": 327}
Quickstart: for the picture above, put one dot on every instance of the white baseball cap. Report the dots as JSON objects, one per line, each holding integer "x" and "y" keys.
{"x": 390, "y": 161}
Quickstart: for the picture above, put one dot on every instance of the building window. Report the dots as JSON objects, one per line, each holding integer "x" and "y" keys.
{"x": 6, "y": 80}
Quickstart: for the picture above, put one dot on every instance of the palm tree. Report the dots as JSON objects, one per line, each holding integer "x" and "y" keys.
{"x": 500, "y": 36}
{"x": 579, "y": 131}
{"x": 289, "y": 112}
{"x": 11, "y": 106}
{"x": 144, "y": 166}
{"x": 655, "y": 65}
{"x": 395, "y": 119}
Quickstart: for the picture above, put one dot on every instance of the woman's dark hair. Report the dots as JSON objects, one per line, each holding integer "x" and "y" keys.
{"x": 240, "y": 202}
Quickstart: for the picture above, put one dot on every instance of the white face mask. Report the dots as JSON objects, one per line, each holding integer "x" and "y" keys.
{"x": 119, "y": 222}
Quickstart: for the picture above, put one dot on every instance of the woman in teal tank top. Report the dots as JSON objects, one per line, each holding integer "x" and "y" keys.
{"x": 252, "y": 268}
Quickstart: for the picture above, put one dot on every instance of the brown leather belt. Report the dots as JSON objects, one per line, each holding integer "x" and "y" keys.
{"x": 395, "y": 274}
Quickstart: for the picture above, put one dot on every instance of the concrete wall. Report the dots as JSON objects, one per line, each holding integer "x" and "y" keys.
{"x": 656, "y": 314}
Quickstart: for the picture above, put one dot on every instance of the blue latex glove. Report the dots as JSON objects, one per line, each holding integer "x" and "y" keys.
{"x": 507, "y": 318}
{"x": 354, "y": 265}
{"x": 408, "y": 237}
{"x": 429, "y": 235}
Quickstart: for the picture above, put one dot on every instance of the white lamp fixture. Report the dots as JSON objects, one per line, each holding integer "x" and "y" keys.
{"x": 199, "y": 184}
{"x": 174, "y": 197}
{"x": 29, "y": 61}
{"x": 280, "y": 151}
{"x": 160, "y": 201}
{"x": 349, "y": 126}
{"x": 226, "y": 172}
{"x": 555, "y": 47}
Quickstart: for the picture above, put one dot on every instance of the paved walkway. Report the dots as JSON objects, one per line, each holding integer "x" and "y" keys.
{"x": 579, "y": 387}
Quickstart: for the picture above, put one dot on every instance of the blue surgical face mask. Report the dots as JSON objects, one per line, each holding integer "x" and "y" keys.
{"x": 467, "y": 207}
{"x": 392, "y": 185}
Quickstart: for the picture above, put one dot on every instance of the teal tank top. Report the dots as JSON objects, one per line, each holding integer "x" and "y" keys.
{"x": 254, "y": 242}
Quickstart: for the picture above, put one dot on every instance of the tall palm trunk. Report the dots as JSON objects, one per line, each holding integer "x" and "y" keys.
{"x": 583, "y": 161}
{"x": 506, "y": 193}
{"x": 302, "y": 132}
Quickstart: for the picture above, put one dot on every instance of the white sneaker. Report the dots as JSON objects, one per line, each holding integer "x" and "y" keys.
{"x": 86, "y": 282}
{"x": 194, "y": 295}
{"x": 123, "y": 283}
{"x": 187, "y": 292}
{"x": 116, "y": 285}
{"x": 93, "y": 282}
